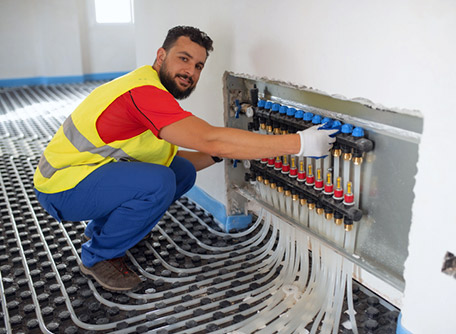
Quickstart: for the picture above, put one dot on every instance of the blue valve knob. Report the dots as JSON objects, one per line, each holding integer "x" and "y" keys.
{"x": 336, "y": 125}
{"x": 358, "y": 132}
{"x": 326, "y": 120}
{"x": 261, "y": 103}
{"x": 299, "y": 114}
{"x": 268, "y": 105}
{"x": 235, "y": 163}
{"x": 308, "y": 116}
{"x": 316, "y": 119}
{"x": 327, "y": 123}
{"x": 283, "y": 110}
{"x": 291, "y": 112}
{"x": 275, "y": 107}
{"x": 347, "y": 128}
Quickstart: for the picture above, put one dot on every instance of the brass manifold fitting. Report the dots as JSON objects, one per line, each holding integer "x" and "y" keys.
{"x": 358, "y": 160}
{"x": 347, "y": 156}
{"x": 348, "y": 227}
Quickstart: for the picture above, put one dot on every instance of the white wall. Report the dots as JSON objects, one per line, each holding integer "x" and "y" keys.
{"x": 105, "y": 47}
{"x": 399, "y": 54}
{"x": 207, "y": 100}
{"x": 52, "y": 38}
{"x": 31, "y": 45}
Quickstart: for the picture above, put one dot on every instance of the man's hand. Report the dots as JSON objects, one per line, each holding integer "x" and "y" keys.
{"x": 315, "y": 141}
{"x": 199, "y": 160}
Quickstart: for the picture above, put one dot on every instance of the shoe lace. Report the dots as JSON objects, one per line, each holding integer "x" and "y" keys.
{"x": 120, "y": 265}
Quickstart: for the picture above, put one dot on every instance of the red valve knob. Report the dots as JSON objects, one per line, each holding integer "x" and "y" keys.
{"x": 349, "y": 199}
{"x": 318, "y": 184}
{"x": 293, "y": 172}
{"x": 329, "y": 189}
{"x": 338, "y": 194}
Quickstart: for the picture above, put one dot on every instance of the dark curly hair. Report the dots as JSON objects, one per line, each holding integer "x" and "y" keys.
{"x": 194, "y": 34}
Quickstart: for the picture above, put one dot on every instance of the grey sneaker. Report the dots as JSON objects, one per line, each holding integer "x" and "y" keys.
{"x": 113, "y": 275}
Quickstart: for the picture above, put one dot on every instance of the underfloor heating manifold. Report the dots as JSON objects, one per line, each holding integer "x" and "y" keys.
{"x": 196, "y": 278}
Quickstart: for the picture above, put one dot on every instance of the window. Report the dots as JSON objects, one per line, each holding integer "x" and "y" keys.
{"x": 113, "y": 11}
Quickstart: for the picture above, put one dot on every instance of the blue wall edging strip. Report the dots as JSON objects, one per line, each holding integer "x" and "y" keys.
{"x": 59, "y": 80}
{"x": 218, "y": 210}
{"x": 400, "y": 329}
{"x": 103, "y": 76}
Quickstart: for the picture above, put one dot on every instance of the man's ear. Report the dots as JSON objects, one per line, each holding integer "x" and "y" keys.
{"x": 161, "y": 55}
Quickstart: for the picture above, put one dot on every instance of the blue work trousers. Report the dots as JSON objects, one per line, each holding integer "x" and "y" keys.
{"x": 123, "y": 200}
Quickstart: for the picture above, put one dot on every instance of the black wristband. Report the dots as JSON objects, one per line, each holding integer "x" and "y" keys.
{"x": 216, "y": 159}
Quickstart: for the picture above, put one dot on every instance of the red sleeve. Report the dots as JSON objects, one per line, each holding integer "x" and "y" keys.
{"x": 155, "y": 108}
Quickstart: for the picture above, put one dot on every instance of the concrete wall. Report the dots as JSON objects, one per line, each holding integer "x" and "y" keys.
{"x": 52, "y": 38}
{"x": 399, "y": 54}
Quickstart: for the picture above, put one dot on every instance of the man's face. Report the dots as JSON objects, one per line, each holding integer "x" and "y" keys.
{"x": 180, "y": 68}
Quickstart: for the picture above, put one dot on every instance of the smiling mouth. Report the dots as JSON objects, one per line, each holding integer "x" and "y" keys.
{"x": 185, "y": 80}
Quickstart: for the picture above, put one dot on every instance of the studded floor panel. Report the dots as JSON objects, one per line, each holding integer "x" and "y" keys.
{"x": 196, "y": 278}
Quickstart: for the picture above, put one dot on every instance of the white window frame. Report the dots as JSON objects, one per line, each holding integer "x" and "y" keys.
{"x": 94, "y": 7}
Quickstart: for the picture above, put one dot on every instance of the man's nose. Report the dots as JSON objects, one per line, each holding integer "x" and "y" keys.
{"x": 190, "y": 70}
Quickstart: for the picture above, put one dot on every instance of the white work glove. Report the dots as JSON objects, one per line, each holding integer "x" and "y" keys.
{"x": 316, "y": 143}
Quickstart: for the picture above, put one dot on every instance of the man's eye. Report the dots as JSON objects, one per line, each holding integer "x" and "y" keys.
{"x": 184, "y": 59}
{"x": 199, "y": 67}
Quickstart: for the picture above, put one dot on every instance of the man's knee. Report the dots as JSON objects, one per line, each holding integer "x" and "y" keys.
{"x": 185, "y": 175}
{"x": 184, "y": 170}
{"x": 190, "y": 175}
{"x": 165, "y": 183}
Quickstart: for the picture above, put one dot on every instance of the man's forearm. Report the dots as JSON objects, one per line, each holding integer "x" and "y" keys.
{"x": 194, "y": 133}
{"x": 241, "y": 144}
{"x": 198, "y": 159}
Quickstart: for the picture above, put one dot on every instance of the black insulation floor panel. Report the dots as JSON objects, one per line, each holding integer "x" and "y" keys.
{"x": 195, "y": 276}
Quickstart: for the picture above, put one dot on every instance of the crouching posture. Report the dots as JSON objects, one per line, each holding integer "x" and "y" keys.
{"x": 115, "y": 159}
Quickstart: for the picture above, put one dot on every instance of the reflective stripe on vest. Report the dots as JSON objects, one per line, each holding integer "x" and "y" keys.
{"x": 82, "y": 144}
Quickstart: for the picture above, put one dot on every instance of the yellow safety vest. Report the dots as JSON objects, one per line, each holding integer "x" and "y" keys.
{"x": 76, "y": 150}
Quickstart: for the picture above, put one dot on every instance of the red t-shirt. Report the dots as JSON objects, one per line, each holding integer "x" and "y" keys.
{"x": 140, "y": 109}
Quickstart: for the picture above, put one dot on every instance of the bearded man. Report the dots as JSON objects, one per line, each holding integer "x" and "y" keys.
{"x": 115, "y": 159}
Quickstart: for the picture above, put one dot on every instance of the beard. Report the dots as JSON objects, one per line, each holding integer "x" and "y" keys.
{"x": 167, "y": 80}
